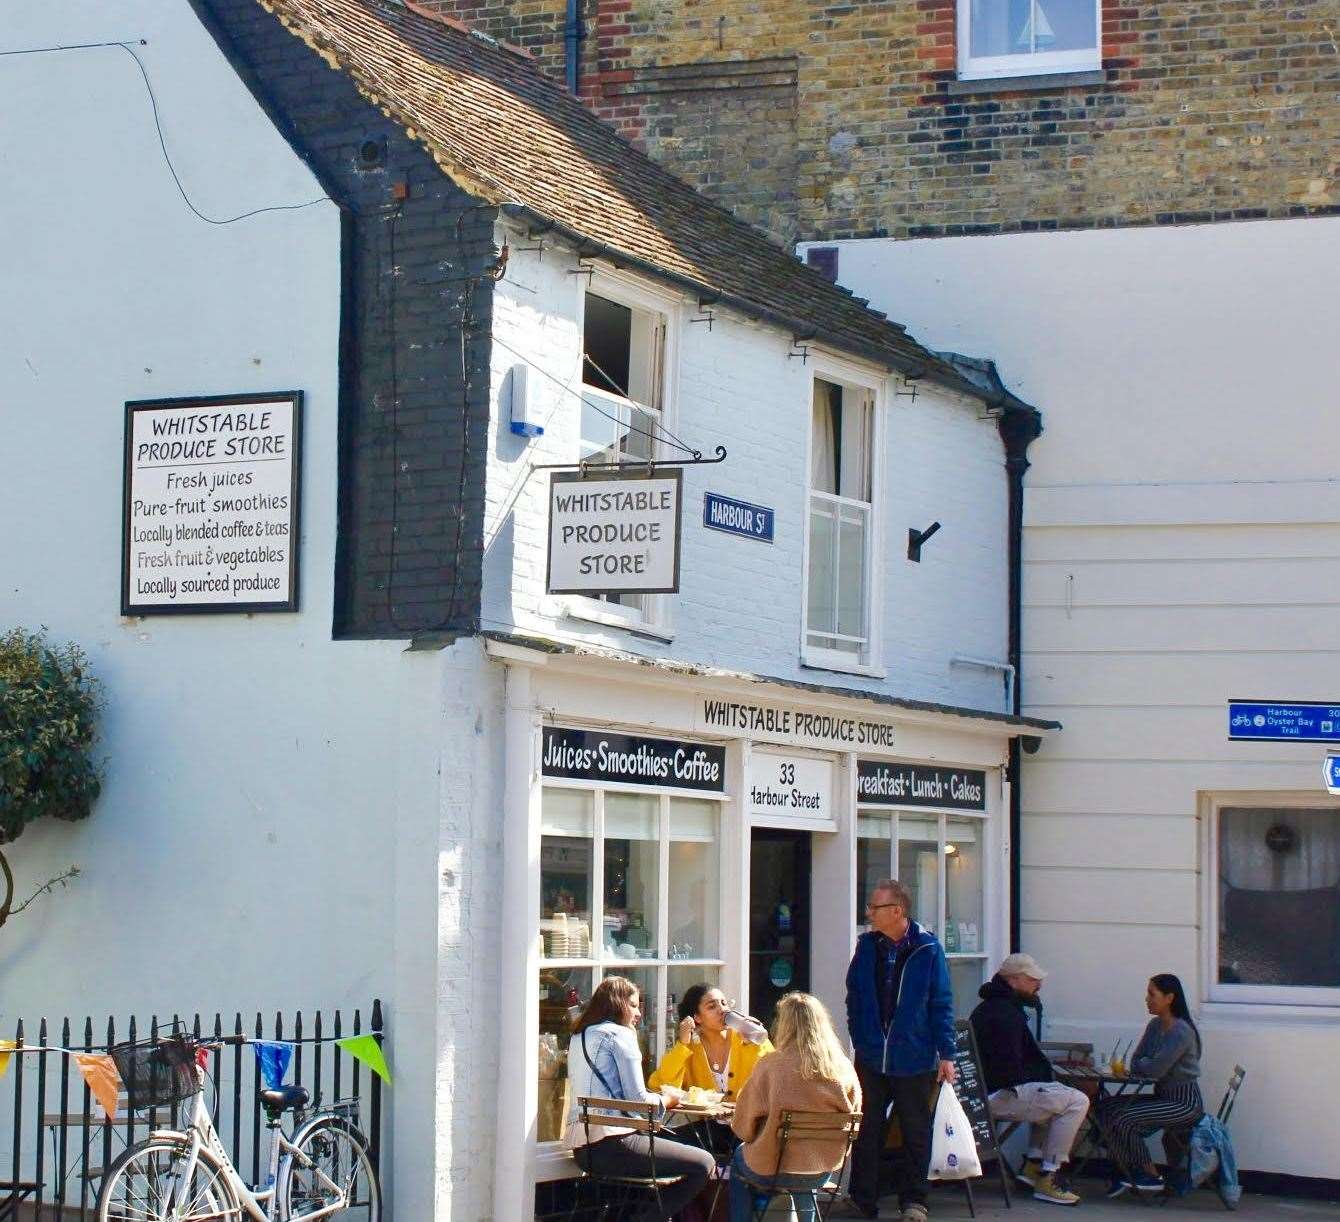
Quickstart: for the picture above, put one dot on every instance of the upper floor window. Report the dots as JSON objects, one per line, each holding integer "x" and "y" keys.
{"x": 623, "y": 355}
{"x": 838, "y": 583}
{"x": 1024, "y": 37}
{"x": 1274, "y": 924}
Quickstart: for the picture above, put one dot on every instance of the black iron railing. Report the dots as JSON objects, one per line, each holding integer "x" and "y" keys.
{"x": 53, "y": 1156}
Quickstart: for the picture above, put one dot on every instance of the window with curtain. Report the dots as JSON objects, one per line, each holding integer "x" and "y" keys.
{"x": 838, "y": 582}
{"x": 1002, "y": 38}
{"x": 1278, "y": 891}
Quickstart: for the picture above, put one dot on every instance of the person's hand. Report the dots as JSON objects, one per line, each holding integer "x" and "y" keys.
{"x": 686, "y": 1029}
{"x": 946, "y": 1072}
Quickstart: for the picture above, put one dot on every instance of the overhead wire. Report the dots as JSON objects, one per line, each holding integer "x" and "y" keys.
{"x": 128, "y": 46}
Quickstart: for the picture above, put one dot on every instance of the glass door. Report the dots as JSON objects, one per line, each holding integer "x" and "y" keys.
{"x": 779, "y": 918}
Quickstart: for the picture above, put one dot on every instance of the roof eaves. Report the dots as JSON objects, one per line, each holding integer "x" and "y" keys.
{"x": 931, "y": 367}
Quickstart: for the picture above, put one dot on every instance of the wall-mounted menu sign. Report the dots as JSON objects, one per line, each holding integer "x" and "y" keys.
{"x": 883, "y": 784}
{"x": 615, "y": 532}
{"x": 593, "y": 755}
{"x": 210, "y": 520}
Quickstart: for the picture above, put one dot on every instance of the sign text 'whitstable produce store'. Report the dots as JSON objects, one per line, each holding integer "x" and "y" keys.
{"x": 210, "y": 516}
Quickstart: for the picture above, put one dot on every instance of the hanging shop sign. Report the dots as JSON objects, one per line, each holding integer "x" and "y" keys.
{"x": 737, "y": 517}
{"x": 614, "y": 532}
{"x": 883, "y": 784}
{"x": 210, "y": 515}
{"x": 594, "y": 755}
{"x": 1301, "y": 721}
{"x": 790, "y": 790}
{"x": 777, "y": 723}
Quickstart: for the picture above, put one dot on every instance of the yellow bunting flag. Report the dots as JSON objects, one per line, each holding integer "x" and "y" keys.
{"x": 103, "y": 1080}
{"x": 366, "y": 1049}
{"x": 5, "y": 1046}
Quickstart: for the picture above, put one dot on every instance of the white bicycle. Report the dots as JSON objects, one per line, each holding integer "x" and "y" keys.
{"x": 322, "y": 1170}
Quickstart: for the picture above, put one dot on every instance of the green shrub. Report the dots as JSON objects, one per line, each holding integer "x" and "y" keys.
{"x": 48, "y": 721}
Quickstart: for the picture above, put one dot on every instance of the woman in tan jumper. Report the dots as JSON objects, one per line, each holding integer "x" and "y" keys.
{"x": 808, "y": 1072}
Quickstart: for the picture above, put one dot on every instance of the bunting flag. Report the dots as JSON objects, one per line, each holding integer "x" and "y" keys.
{"x": 366, "y": 1049}
{"x": 100, "y": 1073}
{"x": 273, "y": 1058}
{"x": 5, "y": 1046}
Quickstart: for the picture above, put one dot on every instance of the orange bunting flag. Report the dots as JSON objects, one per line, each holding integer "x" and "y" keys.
{"x": 103, "y": 1080}
{"x": 5, "y": 1046}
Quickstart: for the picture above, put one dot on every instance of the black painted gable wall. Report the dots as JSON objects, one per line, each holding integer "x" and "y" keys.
{"x": 416, "y": 317}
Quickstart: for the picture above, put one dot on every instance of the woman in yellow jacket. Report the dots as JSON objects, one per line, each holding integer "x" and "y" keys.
{"x": 711, "y": 1055}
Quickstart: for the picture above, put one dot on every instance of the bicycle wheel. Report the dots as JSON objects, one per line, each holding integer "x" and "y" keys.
{"x": 334, "y": 1168}
{"x": 145, "y": 1180}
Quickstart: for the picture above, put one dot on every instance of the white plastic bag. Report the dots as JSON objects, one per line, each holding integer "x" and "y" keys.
{"x": 953, "y": 1150}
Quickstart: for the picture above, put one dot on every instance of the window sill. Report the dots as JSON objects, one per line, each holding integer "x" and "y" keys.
{"x": 1031, "y": 81}
{"x": 812, "y": 659}
{"x": 588, "y": 614}
{"x": 1276, "y": 1011}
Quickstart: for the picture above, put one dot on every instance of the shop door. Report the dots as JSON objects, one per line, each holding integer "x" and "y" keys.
{"x": 779, "y": 918}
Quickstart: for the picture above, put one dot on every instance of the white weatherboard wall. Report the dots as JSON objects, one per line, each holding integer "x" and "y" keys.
{"x": 739, "y": 605}
{"x": 286, "y": 820}
{"x": 1182, "y": 546}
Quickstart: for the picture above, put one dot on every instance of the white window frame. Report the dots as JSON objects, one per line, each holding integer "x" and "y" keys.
{"x": 598, "y": 964}
{"x": 869, "y": 662}
{"x": 981, "y": 819}
{"x": 1250, "y": 997}
{"x": 653, "y": 617}
{"x": 1039, "y": 63}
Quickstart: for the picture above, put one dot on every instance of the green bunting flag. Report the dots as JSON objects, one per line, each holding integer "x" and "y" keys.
{"x": 366, "y": 1049}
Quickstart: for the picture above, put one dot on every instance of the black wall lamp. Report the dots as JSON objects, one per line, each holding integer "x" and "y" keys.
{"x": 915, "y": 538}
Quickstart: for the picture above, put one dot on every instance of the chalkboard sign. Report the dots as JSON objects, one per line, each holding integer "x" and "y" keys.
{"x": 970, "y": 1086}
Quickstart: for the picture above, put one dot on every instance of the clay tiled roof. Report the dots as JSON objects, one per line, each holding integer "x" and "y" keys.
{"x": 508, "y": 135}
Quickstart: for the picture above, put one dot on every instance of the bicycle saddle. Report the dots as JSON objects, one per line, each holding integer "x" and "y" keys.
{"x": 281, "y": 1098}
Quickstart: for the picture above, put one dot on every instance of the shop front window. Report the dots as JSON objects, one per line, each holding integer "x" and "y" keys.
{"x": 1276, "y": 925}
{"x": 652, "y": 864}
{"x": 938, "y": 858}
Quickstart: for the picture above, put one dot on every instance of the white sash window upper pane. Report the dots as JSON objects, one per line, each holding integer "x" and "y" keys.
{"x": 1000, "y": 38}
{"x": 838, "y": 584}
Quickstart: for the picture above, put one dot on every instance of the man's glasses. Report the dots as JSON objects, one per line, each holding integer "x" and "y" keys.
{"x": 877, "y": 907}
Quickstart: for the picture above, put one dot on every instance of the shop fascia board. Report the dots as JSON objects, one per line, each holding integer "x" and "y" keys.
{"x": 577, "y": 659}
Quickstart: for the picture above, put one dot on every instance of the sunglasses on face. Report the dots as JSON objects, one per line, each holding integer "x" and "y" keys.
{"x": 877, "y": 907}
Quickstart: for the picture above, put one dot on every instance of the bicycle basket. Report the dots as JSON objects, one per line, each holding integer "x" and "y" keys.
{"x": 156, "y": 1074}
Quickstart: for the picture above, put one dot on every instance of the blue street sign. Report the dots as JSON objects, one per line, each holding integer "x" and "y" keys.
{"x": 1331, "y": 771}
{"x": 737, "y": 517}
{"x": 1293, "y": 722}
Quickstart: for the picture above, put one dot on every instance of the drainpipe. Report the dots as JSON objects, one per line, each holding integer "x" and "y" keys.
{"x": 1018, "y": 428}
{"x": 574, "y": 34}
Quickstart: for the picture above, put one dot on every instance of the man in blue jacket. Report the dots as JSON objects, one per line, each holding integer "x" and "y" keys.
{"x": 900, "y": 1016}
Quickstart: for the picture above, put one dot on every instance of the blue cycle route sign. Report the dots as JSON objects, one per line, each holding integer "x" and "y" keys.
{"x": 1298, "y": 721}
{"x": 737, "y": 517}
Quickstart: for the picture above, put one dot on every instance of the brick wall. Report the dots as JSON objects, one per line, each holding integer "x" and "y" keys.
{"x": 1209, "y": 110}
{"x": 413, "y": 420}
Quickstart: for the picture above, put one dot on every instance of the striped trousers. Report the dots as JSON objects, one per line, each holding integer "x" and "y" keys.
{"x": 1173, "y": 1105}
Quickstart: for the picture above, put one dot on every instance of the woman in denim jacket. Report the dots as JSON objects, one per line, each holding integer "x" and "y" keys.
{"x": 604, "y": 1061}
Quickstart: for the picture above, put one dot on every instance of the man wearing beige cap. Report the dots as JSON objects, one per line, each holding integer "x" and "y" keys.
{"x": 1020, "y": 1080}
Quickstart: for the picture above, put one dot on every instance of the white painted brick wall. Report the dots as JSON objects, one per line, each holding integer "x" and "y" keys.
{"x": 739, "y": 605}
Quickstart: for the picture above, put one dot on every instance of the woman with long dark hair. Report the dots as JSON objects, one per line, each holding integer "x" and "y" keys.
{"x": 1169, "y": 1052}
{"x": 604, "y": 1061}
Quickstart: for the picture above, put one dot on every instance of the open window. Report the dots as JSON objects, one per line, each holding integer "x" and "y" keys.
{"x": 840, "y": 552}
{"x": 1004, "y": 38}
{"x": 623, "y": 358}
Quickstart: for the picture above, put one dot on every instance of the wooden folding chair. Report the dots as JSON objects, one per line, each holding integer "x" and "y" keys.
{"x": 805, "y": 1126}
{"x": 629, "y": 1116}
